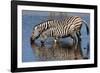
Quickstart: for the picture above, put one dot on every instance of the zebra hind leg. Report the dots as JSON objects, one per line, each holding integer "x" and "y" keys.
{"x": 74, "y": 40}
{"x": 79, "y": 36}
{"x": 79, "y": 42}
{"x": 75, "y": 44}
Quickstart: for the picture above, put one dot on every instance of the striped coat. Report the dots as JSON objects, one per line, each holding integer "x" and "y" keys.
{"x": 38, "y": 29}
{"x": 69, "y": 25}
{"x": 57, "y": 32}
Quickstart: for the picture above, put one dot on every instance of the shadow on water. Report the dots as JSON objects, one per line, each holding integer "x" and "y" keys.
{"x": 58, "y": 51}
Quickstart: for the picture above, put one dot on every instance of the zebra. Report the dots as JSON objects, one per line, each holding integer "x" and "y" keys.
{"x": 69, "y": 25}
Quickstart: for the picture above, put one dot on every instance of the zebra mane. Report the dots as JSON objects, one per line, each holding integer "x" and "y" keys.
{"x": 34, "y": 28}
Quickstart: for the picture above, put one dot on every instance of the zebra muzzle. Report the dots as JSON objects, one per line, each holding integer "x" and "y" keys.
{"x": 31, "y": 40}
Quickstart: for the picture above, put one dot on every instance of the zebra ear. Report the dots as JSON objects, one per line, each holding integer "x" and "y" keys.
{"x": 36, "y": 33}
{"x": 35, "y": 28}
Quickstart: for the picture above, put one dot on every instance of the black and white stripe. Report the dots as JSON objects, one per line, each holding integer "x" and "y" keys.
{"x": 46, "y": 25}
{"x": 68, "y": 26}
{"x": 43, "y": 27}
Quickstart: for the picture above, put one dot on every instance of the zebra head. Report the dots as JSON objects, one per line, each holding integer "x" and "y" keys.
{"x": 35, "y": 34}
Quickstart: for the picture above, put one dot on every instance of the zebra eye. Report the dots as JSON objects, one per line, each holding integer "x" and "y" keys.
{"x": 32, "y": 32}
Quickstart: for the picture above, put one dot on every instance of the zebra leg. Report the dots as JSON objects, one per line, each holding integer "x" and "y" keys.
{"x": 42, "y": 43}
{"x": 78, "y": 35}
{"x": 75, "y": 43}
{"x": 55, "y": 40}
{"x": 43, "y": 38}
{"x": 79, "y": 43}
{"x": 55, "y": 45}
{"x": 74, "y": 39}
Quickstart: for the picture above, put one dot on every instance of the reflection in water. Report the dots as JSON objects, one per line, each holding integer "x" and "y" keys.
{"x": 57, "y": 51}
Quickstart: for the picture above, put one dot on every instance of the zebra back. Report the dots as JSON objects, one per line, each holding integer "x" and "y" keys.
{"x": 55, "y": 32}
{"x": 69, "y": 26}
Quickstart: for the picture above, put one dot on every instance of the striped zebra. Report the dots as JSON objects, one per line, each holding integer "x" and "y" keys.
{"x": 66, "y": 27}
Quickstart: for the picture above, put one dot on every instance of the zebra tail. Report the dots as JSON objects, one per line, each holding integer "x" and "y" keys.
{"x": 87, "y": 28}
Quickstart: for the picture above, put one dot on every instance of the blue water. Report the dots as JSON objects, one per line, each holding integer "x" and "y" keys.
{"x": 32, "y": 18}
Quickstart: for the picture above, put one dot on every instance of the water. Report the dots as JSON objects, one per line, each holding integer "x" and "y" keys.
{"x": 32, "y": 18}
{"x": 57, "y": 51}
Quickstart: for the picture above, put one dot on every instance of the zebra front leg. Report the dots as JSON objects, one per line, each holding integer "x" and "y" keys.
{"x": 42, "y": 43}
{"x": 43, "y": 38}
{"x": 56, "y": 40}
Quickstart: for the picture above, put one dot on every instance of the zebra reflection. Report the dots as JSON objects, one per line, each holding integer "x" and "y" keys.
{"x": 56, "y": 52}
